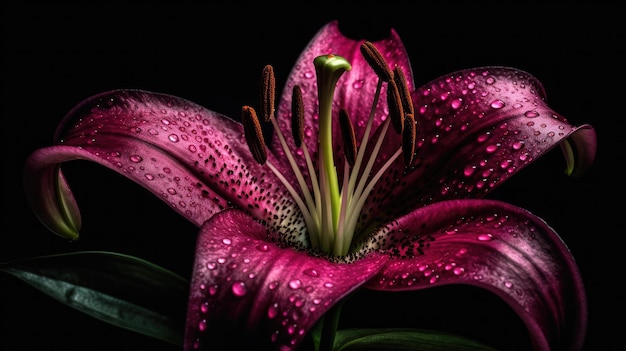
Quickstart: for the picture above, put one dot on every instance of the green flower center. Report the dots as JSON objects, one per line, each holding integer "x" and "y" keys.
{"x": 331, "y": 208}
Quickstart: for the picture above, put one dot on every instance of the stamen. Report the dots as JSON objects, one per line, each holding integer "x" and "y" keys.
{"x": 394, "y": 102}
{"x": 349, "y": 140}
{"x": 297, "y": 115}
{"x": 376, "y": 60}
{"x": 408, "y": 139}
{"x": 268, "y": 92}
{"x": 254, "y": 134}
{"x": 403, "y": 88}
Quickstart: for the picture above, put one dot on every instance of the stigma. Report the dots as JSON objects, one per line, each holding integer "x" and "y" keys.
{"x": 329, "y": 205}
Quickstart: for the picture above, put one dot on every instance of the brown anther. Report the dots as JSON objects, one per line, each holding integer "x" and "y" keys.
{"x": 268, "y": 92}
{"x": 403, "y": 88}
{"x": 349, "y": 139}
{"x": 254, "y": 134}
{"x": 394, "y": 102}
{"x": 297, "y": 115}
{"x": 376, "y": 61}
{"x": 408, "y": 139}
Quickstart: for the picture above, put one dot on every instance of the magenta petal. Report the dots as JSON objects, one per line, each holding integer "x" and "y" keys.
{"x": 193, "y": 159}
{"x": 499, "y": 247}
{"x": 246, "y": 291}
{"x": 476, "y": 128}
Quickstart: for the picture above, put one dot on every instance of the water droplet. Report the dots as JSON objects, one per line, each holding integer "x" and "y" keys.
{"x": 211, "y": 265}
{"x": 492, "y": 148}
{"x": 531, "y": 114}
{"x": 172, "y": 191}
{"x": 497, "y": 104}
{"x": 272, "y": 311}
{"x": 358, "y": 84}
{"x": 490, "y": 80}
{"x": 329, "y": 285}
{"x": 149, "y": 176}
{"x": 485, "y": 237}
{"x": 273, "y": 285}
{"x": 204, "y": 307}
{"x": 456, "y": 103}
{"x": 311, "y": 272}
{"x": 518, "y": 145}
{"x": 263, "y": 247}
{"x": 136, "y": 158}
{"x": 469, "y": 169}
{"x": 458, "y": 270}
{"x": 173, "y": 138}
{"x": 202, "y": 325}
{"x": 295, "y": 284}
{"x": 227, "y": 241}
{"x": 239, "y": 288}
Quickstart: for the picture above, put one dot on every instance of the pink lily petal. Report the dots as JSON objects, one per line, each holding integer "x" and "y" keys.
{"x": 193, "y": 159}
{"x": 496, "y": 246}
{"x": 477, "y": 128}
{"x": 497, "y": 117}
{"x": 246, "y": 291}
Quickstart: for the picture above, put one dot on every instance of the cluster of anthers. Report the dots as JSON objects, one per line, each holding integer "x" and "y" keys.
{"x": 331, "y": 211}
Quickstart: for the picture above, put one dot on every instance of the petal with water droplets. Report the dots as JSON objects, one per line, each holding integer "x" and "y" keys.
{"x": 496, "y": 246}
{"x": 193, "y": 159}
{"x": 246, "y": 291}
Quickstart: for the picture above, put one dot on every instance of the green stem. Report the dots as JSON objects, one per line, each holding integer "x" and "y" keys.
{"x": 329, "y": 327}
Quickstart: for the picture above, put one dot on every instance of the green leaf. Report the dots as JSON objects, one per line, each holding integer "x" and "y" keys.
{"x": 123, "y": 290}
{"x": 403, "y": 339}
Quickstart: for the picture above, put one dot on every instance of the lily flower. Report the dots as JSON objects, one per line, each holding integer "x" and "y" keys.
{"x": 364, "y": 182}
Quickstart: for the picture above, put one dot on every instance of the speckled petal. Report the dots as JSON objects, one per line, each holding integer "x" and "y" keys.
{"x": 248, "y": 293}
{"x": 193, "y": 159}
{"x": 476, "y": 128}
{"x": 496, "y": 246}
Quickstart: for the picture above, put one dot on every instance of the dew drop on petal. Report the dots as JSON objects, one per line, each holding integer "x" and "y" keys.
{"x": 263, "y": 247}
{"x": 202, "y": 325}
{"x": 531, "y": 114}
{"x": 272, "y": 311}
{"x": 485, "y": 237}
{"x": 226, "y": 241}
{"x": 469, "y": 170}
{"x": 136, "y": 158}
{"x": 239, "y": 288}
{"x": 295, "y": 284}
{"x": 497, "y": 104}
{"x": 311, "y": 272}
{"x": 173, "y": 138}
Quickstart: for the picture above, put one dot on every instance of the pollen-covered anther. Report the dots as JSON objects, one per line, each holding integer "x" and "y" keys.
{"x": 408, "y": 139}
{"x": 268, "y": 92}
{"x": 254, "y": 134}
{"x": 349, "y": 139}
{"x": 403, "y": 88}
{"x": 394, "y": 102}
{"x": 297, "y": 115}
{"x": 376, "y": 60}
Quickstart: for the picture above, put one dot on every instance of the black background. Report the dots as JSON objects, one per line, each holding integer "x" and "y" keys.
{"x": 57, "y": 55}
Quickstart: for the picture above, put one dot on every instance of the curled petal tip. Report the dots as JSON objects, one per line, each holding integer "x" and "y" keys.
{"x": 49, "y": 195}
{"x": 579, "y": 150}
